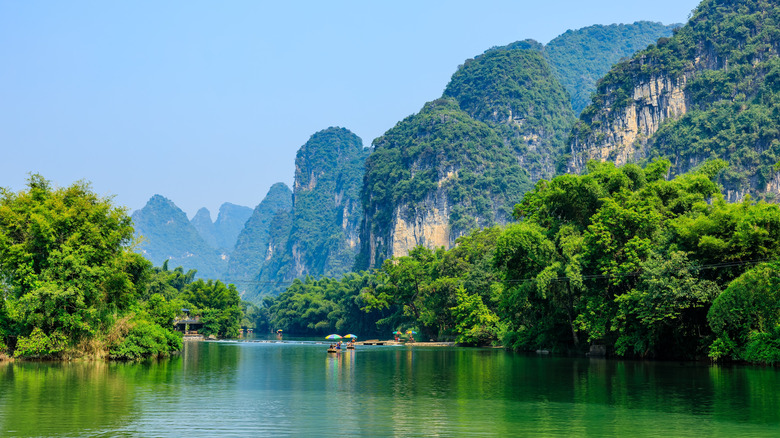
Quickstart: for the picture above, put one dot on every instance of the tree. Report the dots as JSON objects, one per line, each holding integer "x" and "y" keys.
{"x": 746, "y": 317}
{"x": 64, "y": 264}
{"x": 218, "y": 305}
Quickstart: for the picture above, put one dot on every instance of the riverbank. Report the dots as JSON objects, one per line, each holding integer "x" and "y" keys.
{"x": 412, "y": 344}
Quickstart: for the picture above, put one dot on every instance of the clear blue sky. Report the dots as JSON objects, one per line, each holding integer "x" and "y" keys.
{"x": 206, "y": 102}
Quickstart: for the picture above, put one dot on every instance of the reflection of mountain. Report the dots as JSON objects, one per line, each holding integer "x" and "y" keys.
{"x": 36, "y": 399}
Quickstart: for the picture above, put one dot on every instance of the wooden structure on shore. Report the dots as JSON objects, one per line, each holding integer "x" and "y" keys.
{"x": 188, "y": 326}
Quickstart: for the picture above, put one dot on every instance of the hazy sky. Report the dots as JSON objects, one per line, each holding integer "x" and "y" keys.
{"x": 206, "y": 102}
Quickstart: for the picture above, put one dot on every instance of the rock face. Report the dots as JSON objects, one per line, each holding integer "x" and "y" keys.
{"x": 253, "y": 244}
{"x": 581, "y": 57}
{"x": 514, "y": 91}
{"x": 320, "y": 235}
{"x": 621, "y": 134}
{"x": 430, "y": 227}
{"x": 222, "y": 234}
{"x": 203, "y": 223}
{"x": 168, "y": 235}
{"x": 434, "y": 177}
{"x": 466, "y": 159}
{"x": 710, "y": 91}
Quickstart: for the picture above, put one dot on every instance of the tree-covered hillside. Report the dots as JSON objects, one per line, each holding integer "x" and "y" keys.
{"x": 581, "y": 57}
{"x": 514, "y": 90}
{"x": 464, "y": 160}
{"x": 325, "y": 216}
{"x": 619, "y": 258}
{"x": 252, "y": 246}
{"x": 167, "y": 234}
{"x": 725, "y": 64}
{"x": 440, "y": 149}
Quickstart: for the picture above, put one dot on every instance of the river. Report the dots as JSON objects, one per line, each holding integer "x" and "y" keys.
{"x": 227, "y": 389}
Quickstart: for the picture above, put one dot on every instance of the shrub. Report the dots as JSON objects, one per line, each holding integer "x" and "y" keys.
{"x": 40, "y": 345}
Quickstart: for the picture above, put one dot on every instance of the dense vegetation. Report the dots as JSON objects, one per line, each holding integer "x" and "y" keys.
{"x": 514, "y": 91}
{"x": 622, "y": 257}
{"x": 323, "y": 224}
{"x": 581, "y": 57}
{"x": 511, "y": 115}
{"x": 441, "y": 148}
{"x": 728, "y": 53}
{"x": 71, "y": 286}
{"x": 470, "y": 154}
{"x": 251, "y": 247}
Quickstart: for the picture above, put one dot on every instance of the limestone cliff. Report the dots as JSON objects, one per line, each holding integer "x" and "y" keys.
{"x": 620, "y": 133}
{"x": 322, "y": 228}
{"x": 465, "y": 159}
{"x": 712, "y": 90}
{"x": 254, "y": 244}
{"x": 581, "y": 57}
{"x": 515, "y": 91}
{"x": 435, "y": 176}
{"x": 429, "y": 227}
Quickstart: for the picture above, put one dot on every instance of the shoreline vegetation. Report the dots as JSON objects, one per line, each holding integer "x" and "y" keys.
{"x": 73, "y": 288}
{"x": 621, "y": 258}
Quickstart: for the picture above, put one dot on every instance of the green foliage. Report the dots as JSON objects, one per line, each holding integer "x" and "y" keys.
{"x": 40, "y": 345}
{"x": 252, "y": 243}
{"x": 255, "y": 317}
{"x": 619, "y": 256}
{"x": 514, "y": 91}
{"x": 663, "y": 311}
{"x": 145, "y": 338}
{"x": 500, "y": 125}
{"x": 476, "y": 323}
{"x": 218, "y": 305}
{"x": 325, "y": 215}
{"x": 438, "y": 153}
{"x": 70, "y": 286}
{"x": 167, "y": 283}
{"x": 728, "y": 55}
{"x": 580, "y": 57}
{"x": 745, "y": 318}
{"x": 443, "y": 293}
{"x": 63, "y": 262}
{"x": 325, "y": 306}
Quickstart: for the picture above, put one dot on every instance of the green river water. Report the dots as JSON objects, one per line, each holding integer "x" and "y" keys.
{"x": 222, "y": 389}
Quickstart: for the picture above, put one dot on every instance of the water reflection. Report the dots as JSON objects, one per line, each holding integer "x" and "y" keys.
{"x": 70, "y": 398}
{"x": 297, "y": 389}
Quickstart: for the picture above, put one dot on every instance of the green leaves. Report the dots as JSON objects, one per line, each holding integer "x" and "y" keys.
{"x": 63, "y": 257}
{"x": 218, "y": 305}
{"x": 746, "y": 317}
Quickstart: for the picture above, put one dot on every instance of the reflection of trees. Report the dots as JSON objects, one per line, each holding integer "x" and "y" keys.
{"x": 84, "y": 396}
